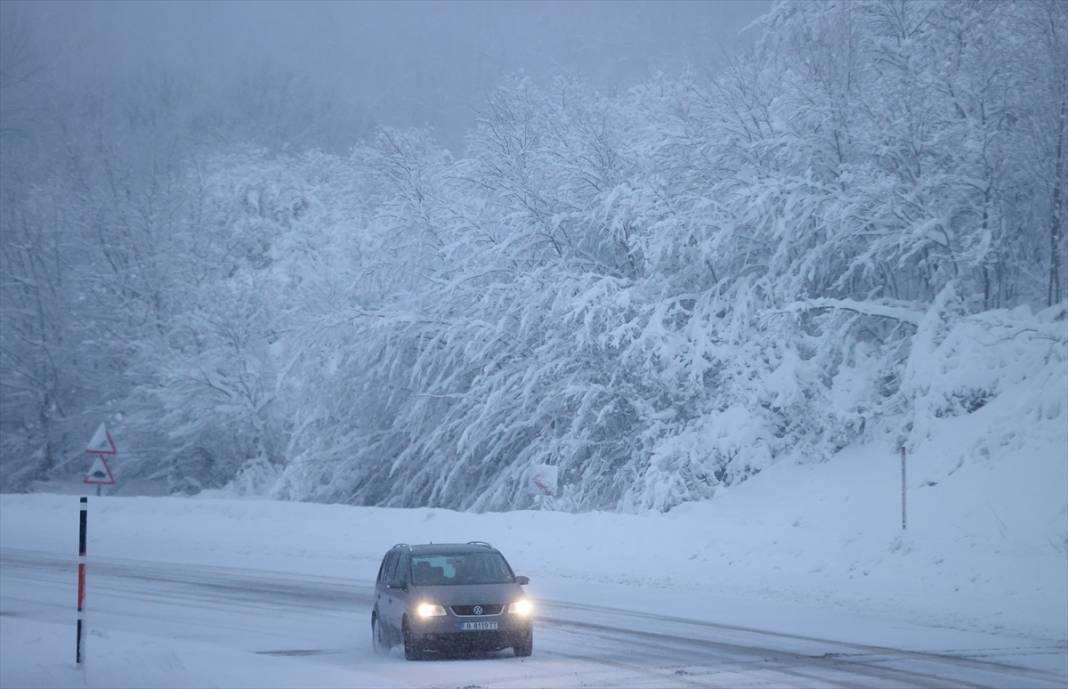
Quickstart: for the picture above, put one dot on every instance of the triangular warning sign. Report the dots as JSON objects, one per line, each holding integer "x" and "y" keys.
{"x": 102, "y": 444}
{"x": 100, "y": 472}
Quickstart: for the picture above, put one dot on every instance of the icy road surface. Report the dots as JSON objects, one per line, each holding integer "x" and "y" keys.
{"x": 160, "y": 624}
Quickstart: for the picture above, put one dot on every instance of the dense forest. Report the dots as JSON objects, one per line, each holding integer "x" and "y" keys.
{"x": 659, "y": 290}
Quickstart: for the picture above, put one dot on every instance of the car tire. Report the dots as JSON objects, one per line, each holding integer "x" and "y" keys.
{"x": 412, "y": 649}
{"x": 526, "y": 647}
{"x": 379, "y": 641}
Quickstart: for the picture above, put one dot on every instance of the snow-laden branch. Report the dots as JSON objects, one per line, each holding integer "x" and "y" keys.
{"x": 897, "y": 312}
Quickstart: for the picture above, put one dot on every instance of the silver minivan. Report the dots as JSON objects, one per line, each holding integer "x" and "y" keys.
{"x": 450, "y": 597}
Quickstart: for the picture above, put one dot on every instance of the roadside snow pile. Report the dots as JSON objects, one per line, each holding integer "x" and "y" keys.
{"x": 140, "y": 661}
{"x": 1014, "y": 359}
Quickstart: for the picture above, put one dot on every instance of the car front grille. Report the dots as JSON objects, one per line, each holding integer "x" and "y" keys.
{"x": 469, "y": 610}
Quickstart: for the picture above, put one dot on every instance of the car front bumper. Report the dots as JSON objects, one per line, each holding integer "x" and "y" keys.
{"x": 448, "y": 632}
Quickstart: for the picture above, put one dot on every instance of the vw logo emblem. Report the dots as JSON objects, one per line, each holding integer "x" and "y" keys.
{"x": 477, "y": 609}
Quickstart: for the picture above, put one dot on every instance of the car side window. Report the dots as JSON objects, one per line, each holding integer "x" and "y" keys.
{"x": 384, "y": 569}
{"x": 399, "y": 575}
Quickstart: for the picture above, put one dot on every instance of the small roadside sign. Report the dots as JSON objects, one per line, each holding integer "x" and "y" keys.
{"x": 103, "y": 446}
{"x": 100, "y": 473}
{"x": 102, "y": 443}
{"x": 543, "y": 479}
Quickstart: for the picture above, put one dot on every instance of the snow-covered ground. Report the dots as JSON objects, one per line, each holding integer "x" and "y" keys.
{"x": 792, "y": 564}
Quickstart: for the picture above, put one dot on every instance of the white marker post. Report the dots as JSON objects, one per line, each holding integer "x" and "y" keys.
{"x": 79, "y": 649}
{"x": 904, "y": 523}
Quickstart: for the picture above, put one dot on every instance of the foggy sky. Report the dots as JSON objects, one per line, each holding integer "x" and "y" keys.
{"x": 407, "y": 63}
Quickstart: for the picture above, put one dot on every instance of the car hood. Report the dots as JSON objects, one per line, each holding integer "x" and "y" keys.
{"x": 468, "y": 594}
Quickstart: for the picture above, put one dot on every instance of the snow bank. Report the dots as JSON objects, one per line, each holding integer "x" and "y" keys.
{"x": 138, "y": 661}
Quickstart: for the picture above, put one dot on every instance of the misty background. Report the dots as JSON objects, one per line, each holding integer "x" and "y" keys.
{"x": 381, "y": 63}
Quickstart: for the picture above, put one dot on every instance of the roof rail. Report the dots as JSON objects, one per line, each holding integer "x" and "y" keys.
{"x": 479, "y": 543}
{"x": 402, "y": 545}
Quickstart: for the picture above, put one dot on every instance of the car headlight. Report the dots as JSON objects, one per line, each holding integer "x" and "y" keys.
{"x": 430, "y": 610}
{"x": 522, "y": 607}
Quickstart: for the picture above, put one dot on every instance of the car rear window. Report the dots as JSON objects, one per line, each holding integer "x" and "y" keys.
{"x": 460, "y": 568}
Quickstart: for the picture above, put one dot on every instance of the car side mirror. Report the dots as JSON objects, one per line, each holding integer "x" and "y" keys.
{"x": 522, "y": 581}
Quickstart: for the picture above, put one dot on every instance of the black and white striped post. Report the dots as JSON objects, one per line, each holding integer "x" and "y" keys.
{"x": 79, "y": 653}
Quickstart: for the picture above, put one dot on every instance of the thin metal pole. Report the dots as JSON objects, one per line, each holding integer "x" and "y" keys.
{"x": 904, "y": 521}
{"x": 79, "y": 652}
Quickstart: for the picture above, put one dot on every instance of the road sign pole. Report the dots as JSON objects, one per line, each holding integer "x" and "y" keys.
{"x": 79, "y": 649}
{"x": 904, "y": 522}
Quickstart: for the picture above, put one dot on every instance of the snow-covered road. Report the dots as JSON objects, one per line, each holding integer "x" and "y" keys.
{"x": 165, "y": 624}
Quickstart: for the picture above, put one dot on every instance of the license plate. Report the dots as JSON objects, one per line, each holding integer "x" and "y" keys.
{"x": 479, "y": 626}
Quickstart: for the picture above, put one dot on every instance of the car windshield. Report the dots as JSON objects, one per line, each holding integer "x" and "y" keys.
{"x": 460, "y": 568}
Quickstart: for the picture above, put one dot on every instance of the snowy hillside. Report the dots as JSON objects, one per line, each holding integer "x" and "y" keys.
{"x": 850, "y": 236}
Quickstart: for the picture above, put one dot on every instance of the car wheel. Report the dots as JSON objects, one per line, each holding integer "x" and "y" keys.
{"x": 526, "y": 646}
{"x": 378, "y": 637}
{"x": 412, "y": 649}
